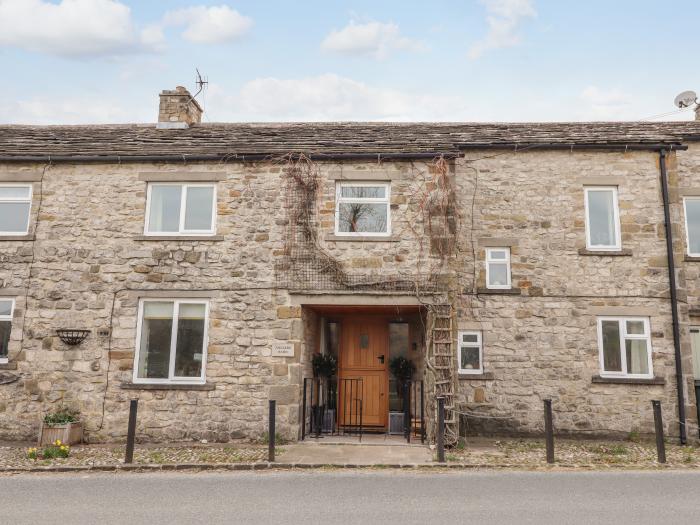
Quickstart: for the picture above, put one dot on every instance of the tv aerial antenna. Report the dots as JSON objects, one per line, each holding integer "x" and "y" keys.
{"x": 201, "y": 83}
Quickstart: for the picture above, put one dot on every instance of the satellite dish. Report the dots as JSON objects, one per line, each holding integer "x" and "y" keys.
{"x": 686, "y": 99}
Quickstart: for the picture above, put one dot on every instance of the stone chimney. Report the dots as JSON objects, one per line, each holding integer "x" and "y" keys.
{"x": 178, "y": 109}
{"x": 697, "y": 112}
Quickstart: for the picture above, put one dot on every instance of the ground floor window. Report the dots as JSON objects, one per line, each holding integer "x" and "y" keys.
{"x": 470, "y": 352}
{"x": 6, "y": 309}
{"x": 695, "y": 344}
{"x": 171, "y": 341}
{"x": 625, "y": 346}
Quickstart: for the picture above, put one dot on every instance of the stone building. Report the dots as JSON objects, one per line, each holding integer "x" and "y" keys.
{"x": 510, "y": 263}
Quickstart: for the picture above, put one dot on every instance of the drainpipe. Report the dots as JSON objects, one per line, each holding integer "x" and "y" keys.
{"x": 674, "y": 297}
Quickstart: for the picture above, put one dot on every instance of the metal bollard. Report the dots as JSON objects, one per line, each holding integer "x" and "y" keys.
{"x": 549, "y": 430}
{"x": 659, "y": 429}
{"x": 407, "y": 411}
{"x": 131, "y": 432}
{"x": 441, "y": 430}
{"x": 271, "y": 432}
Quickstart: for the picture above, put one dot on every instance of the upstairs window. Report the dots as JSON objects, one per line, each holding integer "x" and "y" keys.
{"x": 7, "y": 307}
{"x": 470, "y": 353}
{"x": 692, "y": 225}
{"x": 498, "y": 268}
{"x": 362, "y": 209}
{"x": 602, "y": 219}
{"x": 171, "y": 344}
{"x": 15, "y": 205}
{"x": 625, "y": 347}
{"x": 181, "y": 209}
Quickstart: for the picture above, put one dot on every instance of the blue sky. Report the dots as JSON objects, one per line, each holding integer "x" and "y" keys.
{"x": 85, "y": 61}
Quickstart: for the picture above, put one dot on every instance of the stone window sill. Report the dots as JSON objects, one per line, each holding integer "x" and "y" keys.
{"x": 493, "y": 291}
{"x": 177, "y": 238}
{"x": 362, "y": 238}
{"x": 691, "y": 258}
{"x": 486, "y": 376}
{"x": 629, "y": 380}
{"x": 167, "y": 386}
{"x": 626, "y": 252}
{"x": 4, "y": 365}
{"x": 16, "y": 237}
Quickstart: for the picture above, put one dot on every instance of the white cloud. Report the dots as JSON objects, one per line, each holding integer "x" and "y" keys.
{"x": 42, "y": 110}
{"x": 209, "y": 25}
{"x": 326, "y": 97}
{"x": 374, "y": 39}
{"x": 74, "y": 28}
{"x": 504, "y": 19}
{"x": 612, "y": 104}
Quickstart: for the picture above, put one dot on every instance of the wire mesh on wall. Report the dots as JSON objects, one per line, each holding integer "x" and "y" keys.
{"x": 305, "y": 265}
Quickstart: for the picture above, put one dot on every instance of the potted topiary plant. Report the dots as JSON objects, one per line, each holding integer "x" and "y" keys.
{"x": 324, "y": 367}
{"x": 62, "y": 425}
{"x": 402, "y": 369}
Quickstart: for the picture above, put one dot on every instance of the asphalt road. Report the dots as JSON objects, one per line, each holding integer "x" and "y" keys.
{"x": 346, "y": 497}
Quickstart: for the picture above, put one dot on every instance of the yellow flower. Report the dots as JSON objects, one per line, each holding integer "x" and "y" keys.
{"x": 58, "y": 443}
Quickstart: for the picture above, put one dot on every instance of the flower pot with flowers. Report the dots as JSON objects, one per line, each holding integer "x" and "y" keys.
{"x": 57, "y": 449}
{"x": 62, "y": 425}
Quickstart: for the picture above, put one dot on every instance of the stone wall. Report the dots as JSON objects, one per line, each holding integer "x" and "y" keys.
{"x": 90, "y": 264}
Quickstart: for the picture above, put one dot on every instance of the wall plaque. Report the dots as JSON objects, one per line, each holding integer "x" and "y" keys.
{"x": 283, "y": 350}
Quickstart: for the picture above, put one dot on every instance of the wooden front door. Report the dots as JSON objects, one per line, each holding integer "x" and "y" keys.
{"x": 364, "y": 352}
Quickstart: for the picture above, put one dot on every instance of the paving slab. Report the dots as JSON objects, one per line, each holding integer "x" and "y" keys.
{"x": 357, "y": 454}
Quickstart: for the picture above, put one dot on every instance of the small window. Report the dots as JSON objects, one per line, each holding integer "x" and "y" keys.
{"x": 602, "y": 219}
{"x": 692, "y": 225}
{"x": 15, "y": 206}
{"x": 470, "y": 353}
{"x": 695, "y": 347}
{"x": 498, "y": 268}
{"x": 172, "y": 338}
{"x": 362, "y": 209}
{"x": 7, "y": 307}
{"x": 625, "y": 347}
{"x": 181, "y": 209}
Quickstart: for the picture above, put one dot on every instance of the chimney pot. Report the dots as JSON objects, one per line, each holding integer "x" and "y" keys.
{"x": 178, "y": 109}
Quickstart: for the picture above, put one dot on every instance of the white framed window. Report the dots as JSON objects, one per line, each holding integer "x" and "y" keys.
{"x": 171, "y": 341}
{"x": 498, "y": 268}
{"x": 7, "y": 308}
{"x": 180, "y": 209}
{"x": 602, "y": 218}
{"x": 470, "y": 352}
{"x": 625, "y": 347}
{"x": 695, "y": 347}
{"x": 691, "y": 206}
{"x": 15, "y": 207}
{"x": 362, "y": 209}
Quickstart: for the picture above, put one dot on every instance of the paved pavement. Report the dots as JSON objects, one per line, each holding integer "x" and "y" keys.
{"x": 348, "y": 497}
{"x": 369, "y": 452}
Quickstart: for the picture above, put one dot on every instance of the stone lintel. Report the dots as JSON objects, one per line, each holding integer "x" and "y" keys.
{"x": 182, "y": 176}
{"x": 353, "y": 299}
{"x": 497, "y": 242}
{"x": 11, "y": 292}
{"x": 689, "y": 192}
{"x": 21, "y": 176}
{"x": 624, "y": 311}
{"x": 601, "y": 181}
{"x": 176, "y": 294}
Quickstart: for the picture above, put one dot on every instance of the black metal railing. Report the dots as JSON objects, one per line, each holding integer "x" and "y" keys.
{"x": 332, "y": 406}
{"x": 414, "y": 410}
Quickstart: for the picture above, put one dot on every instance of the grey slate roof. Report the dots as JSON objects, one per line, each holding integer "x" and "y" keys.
{"x": 324, "y": 138}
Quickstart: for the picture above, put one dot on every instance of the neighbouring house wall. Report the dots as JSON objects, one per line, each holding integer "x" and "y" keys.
{"x": 89, "y": 267}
